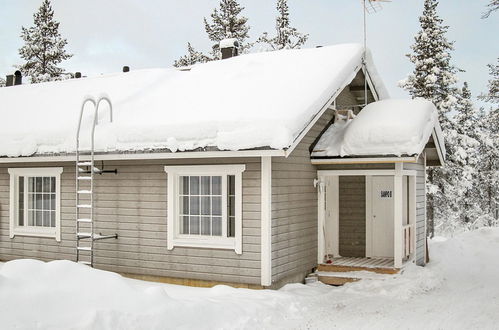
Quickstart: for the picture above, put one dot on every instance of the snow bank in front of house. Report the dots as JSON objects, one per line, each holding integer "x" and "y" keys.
{"x": 388, "y": 127}
{"x": 256, "y": 100}
{"x": 458, "y": 289}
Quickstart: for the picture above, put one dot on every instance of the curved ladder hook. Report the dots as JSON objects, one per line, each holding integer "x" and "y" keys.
{"x": 86, "y": 99}
{"x": 96, "y": 115}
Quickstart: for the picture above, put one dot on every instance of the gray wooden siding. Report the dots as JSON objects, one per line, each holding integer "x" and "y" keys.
{"x": 294, "y": 203}
{"x": 134, "y": 205}
{"x": 352, "y": 216}
{"x": 420, "y": 208}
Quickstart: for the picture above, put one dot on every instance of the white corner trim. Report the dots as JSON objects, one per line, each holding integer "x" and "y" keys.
{"x": 397, "y": 216}
{"x": 266, "y": 221}
{"x": 49, "y": 232}
{"x": 174, "y": 238}
{"x": 146, "y": 156}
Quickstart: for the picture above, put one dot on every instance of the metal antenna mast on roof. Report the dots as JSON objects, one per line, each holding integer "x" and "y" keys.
{"x": 369, "y": 7}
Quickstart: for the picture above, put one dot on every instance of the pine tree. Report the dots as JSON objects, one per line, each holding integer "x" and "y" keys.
{"x": 434, "y": 76}
{"x": 43, "y": 48}
{"x": 226, "y": 22}
{"x": 2, "y": 82}
{"x": 492, "y": 95}
{"x": 192, "y": 57}
{"x": 287, "y": 37}
{"x": 434, "y": 79}
{"x": 491, "y": 7}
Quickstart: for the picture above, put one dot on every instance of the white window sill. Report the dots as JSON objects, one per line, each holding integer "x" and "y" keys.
{"x": 205, "y": 243}
{"x": 36, "y": 232}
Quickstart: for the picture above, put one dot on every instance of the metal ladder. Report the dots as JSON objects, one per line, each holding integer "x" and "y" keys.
{"x": 85, "y": 235}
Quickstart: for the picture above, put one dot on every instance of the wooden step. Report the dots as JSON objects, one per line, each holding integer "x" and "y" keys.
{"x": 342, "y": 269}
{"x": 337, "y": 281}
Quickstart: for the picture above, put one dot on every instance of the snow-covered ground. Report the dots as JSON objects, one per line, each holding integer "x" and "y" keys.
{"x": 459, "y": 289}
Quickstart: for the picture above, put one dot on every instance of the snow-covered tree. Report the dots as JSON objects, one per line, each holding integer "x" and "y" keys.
{"x": 491, "y": 7}
{"x": 2, "y": 82}
{"x": 192, "y": 57}
{"x": 227, "y": 22}
{"x": 434, "y": 79}
{"x": 286, "y": 37}
{"x": 44, "y": 48}
{"x": 492, "y": 94}
{"x": 434, "y": 76}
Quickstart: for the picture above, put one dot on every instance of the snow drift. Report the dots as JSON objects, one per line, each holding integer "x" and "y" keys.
{"x": 257, "y": 100}
{"x": 388, "y": 127}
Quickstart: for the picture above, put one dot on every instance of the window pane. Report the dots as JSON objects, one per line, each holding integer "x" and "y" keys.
{"x": 232, "y": 206}
{"x": 52, "y": 202}
{"x": 216, "y": 205}
{"x": 38, "y": 198}
{"x": 21, "y": 201}
{"x": 217, "y": 185}
{"x": 184, "y": 185}
{"x": 205, "y": 205}
{"x": 185, "y": 226}
{"x": 52, "y": 218}
{"x": 216, "y": 226}
{"x": 205, "y": 185}
{"x": 194, "y": 205}
{"x": 31, "y": 201}
{"x": 46, "y": 184}
{"x": 194, "y": 185}
{"x": 194, "y": 225}
{"x": 46, "y": 218}
{"x": 31, "y": 218}
{"x": 46, "y": 201}
{"x": 38, "y": 218}
{"x": 52, "y": 184}
{"x": 184, "y": 205}
{"x": 231, "y": 183}
{"x": 31, "y": 184}
{"x": 38, "y": 184}
{"x": 205, "y": 226}
{"x": 231, "y": 227}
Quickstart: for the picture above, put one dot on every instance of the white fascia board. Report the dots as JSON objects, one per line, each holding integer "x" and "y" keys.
{"x": 438, "y": 139}
{"x": 321, "y": 112}
{"x": 150, "y": 156}
{"x": 377, "y": 160}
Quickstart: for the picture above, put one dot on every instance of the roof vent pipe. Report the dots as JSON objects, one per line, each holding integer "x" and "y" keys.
{"x": 126, "y": 68}
{"x": 229, "y": 48}
{"x": 18, "y": 78}
{"x": 77, "y": 75}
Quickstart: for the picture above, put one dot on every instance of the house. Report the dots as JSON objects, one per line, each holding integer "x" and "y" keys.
{"x": 249, "y": 171}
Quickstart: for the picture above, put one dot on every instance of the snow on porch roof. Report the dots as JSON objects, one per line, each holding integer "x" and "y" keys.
{"x": 392, "y": 127}
{"x": 261, "y": 100}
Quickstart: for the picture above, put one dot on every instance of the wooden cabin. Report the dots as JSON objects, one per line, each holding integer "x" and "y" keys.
{"x": 218, "y": 173}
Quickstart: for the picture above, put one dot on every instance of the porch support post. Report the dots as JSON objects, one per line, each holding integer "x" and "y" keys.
{"x": 321, "y": 211}
{"x": 397, "y": 216}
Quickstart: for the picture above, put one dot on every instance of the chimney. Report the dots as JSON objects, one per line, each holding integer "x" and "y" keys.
{"x": 126, "y": 68}
{"x": 18, "y": 78}
{"x": 77, "y": 75}
{"x": 229, "y": 48}
{"x": 9, "y": 81}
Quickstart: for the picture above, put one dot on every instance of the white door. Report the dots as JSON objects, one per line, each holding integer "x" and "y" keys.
{"x": 382, "y": 216}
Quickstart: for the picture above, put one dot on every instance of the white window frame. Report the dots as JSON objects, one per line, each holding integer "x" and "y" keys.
{"x": 174, "y": 238}
{"x": 36, "y": 231}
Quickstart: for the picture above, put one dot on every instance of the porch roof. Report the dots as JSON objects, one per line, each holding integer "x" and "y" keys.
{"x": 392, "y": 128}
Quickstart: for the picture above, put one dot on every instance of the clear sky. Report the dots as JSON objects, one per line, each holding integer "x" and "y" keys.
{"x": 104, "y": 35}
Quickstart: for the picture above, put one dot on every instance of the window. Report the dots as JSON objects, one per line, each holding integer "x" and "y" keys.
{"x": 35, "y": 202}
{"x": 204, "y": 206}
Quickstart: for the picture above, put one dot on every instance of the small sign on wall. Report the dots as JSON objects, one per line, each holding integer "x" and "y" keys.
{"x": 386, "y": 194}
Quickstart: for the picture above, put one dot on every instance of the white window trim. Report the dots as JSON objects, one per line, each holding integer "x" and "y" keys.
{"x": 174, "y": 238}
{"x": 15, "y": 229}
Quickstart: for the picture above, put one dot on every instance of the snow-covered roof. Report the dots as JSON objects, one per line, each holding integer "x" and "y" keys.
{"x": 261, "y": 100}
{"x": 394, "y": 127}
